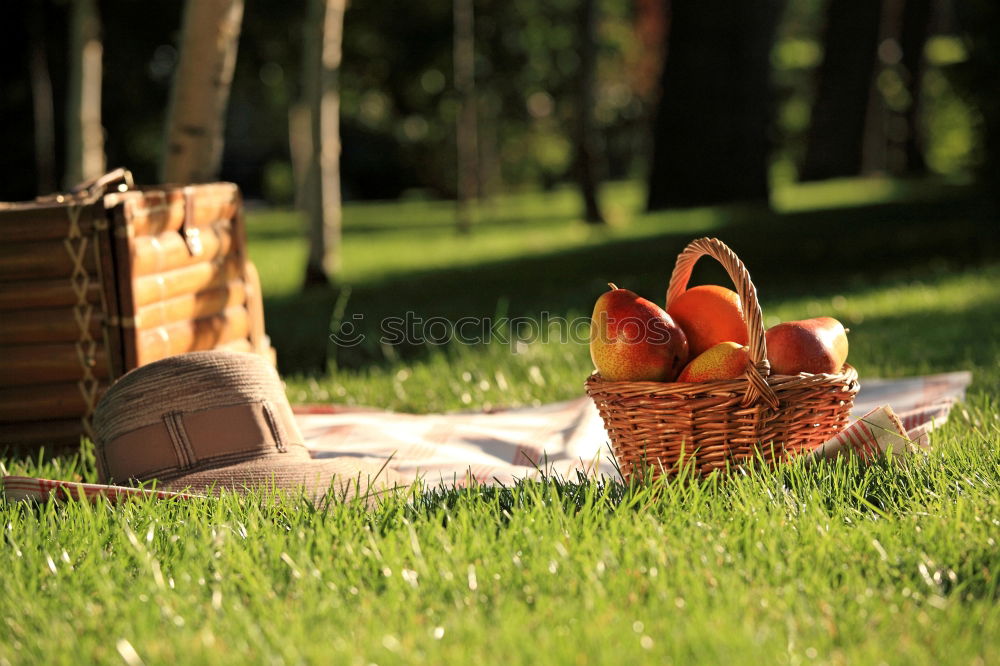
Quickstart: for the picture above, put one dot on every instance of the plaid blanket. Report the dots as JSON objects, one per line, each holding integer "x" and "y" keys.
{"x": 563, "y": 438}
{"x": 567, "y": 438}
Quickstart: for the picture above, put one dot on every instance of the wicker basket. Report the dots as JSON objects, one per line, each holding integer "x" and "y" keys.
{"x": 656, "y": 427}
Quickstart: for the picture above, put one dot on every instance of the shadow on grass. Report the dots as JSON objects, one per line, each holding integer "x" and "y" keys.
{"x": 815, "y": 253}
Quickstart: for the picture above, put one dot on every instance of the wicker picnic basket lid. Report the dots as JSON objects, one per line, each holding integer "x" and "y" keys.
{"x": 658, "y": 427}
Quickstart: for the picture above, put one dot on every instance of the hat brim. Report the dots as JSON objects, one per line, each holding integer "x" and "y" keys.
{"x": 341, "y": 478}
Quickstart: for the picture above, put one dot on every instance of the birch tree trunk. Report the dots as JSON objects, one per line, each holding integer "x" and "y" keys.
{"x": 464, "y": 64}
{"x": 323, "y": 51}
{"x": 196, "y": 119}
{"x": 84, "y": 133}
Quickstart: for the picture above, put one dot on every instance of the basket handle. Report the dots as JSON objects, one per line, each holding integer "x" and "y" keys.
{"x": 760, "y": 368}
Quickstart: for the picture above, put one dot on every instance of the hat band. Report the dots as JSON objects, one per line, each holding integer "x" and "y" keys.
{"x": 185, "y": 441}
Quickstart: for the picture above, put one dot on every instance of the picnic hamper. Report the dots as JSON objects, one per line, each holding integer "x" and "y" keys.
{"x": 108, "y": 277}
{"x": 656, "y": 427}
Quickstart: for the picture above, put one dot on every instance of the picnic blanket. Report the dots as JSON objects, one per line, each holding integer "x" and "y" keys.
{"x": 567, "y": 438}
{"x": 564, "y": 438}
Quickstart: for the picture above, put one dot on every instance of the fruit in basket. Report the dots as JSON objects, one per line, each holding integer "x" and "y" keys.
{"x": 726, "y": 360}
{"x": 709, "y": 314}
{"x": 633, "y": 339}
{"x": 811, "y": 345}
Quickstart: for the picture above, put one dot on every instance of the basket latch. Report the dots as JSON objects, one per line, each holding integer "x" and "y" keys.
{"x": 189, "y": 231}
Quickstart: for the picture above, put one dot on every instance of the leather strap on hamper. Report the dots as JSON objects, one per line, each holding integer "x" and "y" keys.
{"x": 77, "y": 245}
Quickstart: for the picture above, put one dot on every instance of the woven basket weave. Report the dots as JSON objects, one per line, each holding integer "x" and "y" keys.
{"x": 656, "y": 427}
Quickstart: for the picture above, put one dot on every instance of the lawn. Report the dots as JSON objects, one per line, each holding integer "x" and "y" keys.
{"x": 828, "y": 565}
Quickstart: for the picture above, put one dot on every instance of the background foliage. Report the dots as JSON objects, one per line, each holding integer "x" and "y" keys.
{"x": 398, "y": 107}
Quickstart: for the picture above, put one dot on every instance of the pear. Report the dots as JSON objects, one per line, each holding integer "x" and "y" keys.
{"x": 634, "y": 339}
{"x": 815, "y": 346}
{"x": 726, "y": 360}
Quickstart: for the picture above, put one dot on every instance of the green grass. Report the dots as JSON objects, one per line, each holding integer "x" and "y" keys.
{"x": 828, "y": 565}
{"x": 832, "y": 564}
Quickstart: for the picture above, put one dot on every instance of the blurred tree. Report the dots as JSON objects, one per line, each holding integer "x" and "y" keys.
{"x": 196, "y": 119}
{"x": 710, "y": 136}
{"x": 914, "y": 31}
{"x": 42, "y": 105}
{"x": 398, "y": 105}
{"x": 84, "y": 132}
{"x": 140, "y": 60}
{"x": 650, "y": 31}
{"x": 834, "y": 144}
{"x": 324, "y": 31}
{"x": 267, "y": 83}
{"x": 977, "y": 77}
{"x": 464, "y": 64}
{"x": 586, "y": 148}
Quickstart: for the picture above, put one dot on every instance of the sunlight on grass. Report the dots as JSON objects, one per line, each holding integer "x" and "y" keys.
{"x": 849, "y": 192}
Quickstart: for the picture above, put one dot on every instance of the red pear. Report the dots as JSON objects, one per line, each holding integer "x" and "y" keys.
{"x": 811, "y": 345}
{"x": 633, "y": 339}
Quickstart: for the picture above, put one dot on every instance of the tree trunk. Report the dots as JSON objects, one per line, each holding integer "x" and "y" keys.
{"x": 710, "y": 136}
{"x": 979, "y": 23}
{"x": 490, "y": 177}
{"x": 300, "y": 142}
{"x": 84, "y": 133}
{"x": 915, "y": 30}
{"x": 323, "y": 52}
{"x": 42, "y": 107}
{"x": 464, "y": 64}
{"x": 836, "y": 138}
{"x": 196, "y": 121}
{"x": 586, "y": 142}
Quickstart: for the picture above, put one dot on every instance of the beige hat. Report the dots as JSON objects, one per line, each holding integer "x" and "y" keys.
{"x": 213, "y": 420}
